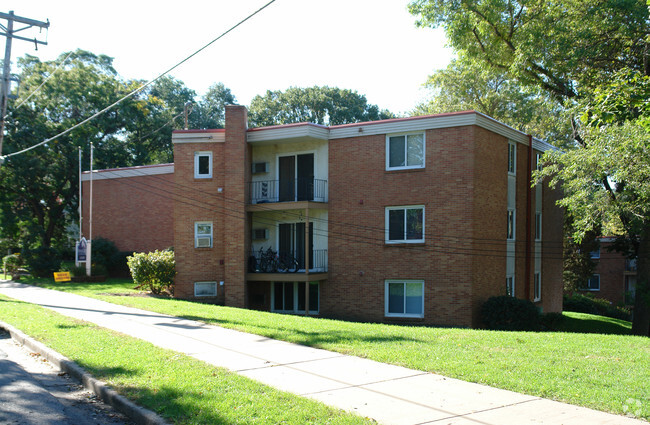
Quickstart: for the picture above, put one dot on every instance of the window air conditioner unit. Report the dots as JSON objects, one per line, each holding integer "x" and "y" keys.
{"x": 204, "y": 242}
{"x": 260, "y": 167}
{"x": 260, "y": 234}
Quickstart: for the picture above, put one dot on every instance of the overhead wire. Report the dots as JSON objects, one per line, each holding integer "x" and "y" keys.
{"x": 142, "y": 87}
{"x": 342, "y": 235}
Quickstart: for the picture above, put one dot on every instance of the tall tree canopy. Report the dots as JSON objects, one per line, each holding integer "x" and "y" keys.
{"x": 562, "y": 47}
{"x": 318, "y": 105}
{"x": 594, "y": 57}
{"x": 468, "y": 85}
{"x": 39, "y": 188}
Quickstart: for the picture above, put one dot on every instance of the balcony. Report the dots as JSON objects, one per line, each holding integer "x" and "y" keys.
{"x": 289, "y": 266}
{"x": 289, "y": 190}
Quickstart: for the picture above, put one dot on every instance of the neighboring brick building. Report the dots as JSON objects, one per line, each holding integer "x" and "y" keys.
{"x": 614, "y": 277}
{"x": 415, "y": 220}
{"x": 131, "y": 207}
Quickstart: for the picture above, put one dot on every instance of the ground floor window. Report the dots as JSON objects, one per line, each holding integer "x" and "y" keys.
{"x": 593, "y": 284}
{"x": 289, "y": 297}
{"x": 630, "y": 289}
{"x": 538, "y": 286}
{"x": 404, "y": 298}
{"x": 510, "y": 286}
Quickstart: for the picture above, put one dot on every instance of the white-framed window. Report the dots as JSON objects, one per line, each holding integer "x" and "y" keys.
{"x": 404, "y": 298}
{"x": 538, "y": 226}
{"x": 512, "y": 158}
{"x": 203, "y": 234}
{"x": 205, "y": 289}
{"x": 510, "y": 224}
{"x": 593, "y": 284}
{"x": 537, "y": 286}
{"x": 538, "y": 161}
{"x": 405, "y": 151}
{"x": 595, "y": 255}
{"x": 289, "y": 297}
{"x": 510, "y": 286}
{"x": 202, "y": 165}
{"x": 405, "y": 224}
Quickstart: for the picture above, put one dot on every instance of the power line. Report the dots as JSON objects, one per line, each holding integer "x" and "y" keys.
{"x": 111, "y": 106}
{"x": 434, "y": 244}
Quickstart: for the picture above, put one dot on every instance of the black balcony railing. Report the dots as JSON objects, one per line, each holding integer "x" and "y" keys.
{"x": 269, "y": 261}
{"x": 290, "y": 190}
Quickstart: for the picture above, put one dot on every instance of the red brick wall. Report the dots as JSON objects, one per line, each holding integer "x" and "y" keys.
{"x": 197, "y": 200}
{"x": 611, "y": 268}
{"x": 360, "y": 261}
{"x": 236, "y": 232}
{"x": 488, "y": 237}
{"x": 552, "y": 239}
{"x": 133, "y": 212}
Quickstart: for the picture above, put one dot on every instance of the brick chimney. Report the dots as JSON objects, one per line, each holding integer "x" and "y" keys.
{"x": 237, "y": 173}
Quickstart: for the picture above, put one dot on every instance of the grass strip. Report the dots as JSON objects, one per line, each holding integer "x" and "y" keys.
{"x": 605, "y": 372}
{"x": 178, "y": 387}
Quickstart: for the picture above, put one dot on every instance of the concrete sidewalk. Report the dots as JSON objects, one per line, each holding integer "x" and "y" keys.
{"x": 386, "y": 393}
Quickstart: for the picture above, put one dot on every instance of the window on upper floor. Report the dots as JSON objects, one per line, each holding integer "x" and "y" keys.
{"x": 538, "y": 226}
{"x": 203, "y": 234}
{"x": 404, "y": 298}
{"x": 512, "y": 158}
{"x": 202, "y": 165}
{"x": 538, "y": 161}
{"x": 405, "y": 151}
{"x": 595, "y": 254}
{"x": 405, "y": 224}
{"x": 510, "y": 224}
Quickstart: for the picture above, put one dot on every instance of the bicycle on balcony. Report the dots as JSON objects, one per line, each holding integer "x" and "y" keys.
{"x": 270, "y": 261}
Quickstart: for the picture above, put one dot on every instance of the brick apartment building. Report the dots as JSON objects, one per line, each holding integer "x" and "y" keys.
{"x": 415, "y": 220}
{"x": 614, "y": 277}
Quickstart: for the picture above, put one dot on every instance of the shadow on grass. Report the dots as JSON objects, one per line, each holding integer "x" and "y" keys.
{"x": 317, "y": 338}
{"x": 585, "y": 323}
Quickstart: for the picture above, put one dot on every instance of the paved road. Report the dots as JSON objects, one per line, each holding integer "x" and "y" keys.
{"x": 33, "y": 392}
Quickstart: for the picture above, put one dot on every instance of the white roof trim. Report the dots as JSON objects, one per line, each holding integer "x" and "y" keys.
{"x": 302, "y": 131}
{"x": 199, "y": 137}
{"x": 117, "y": 173}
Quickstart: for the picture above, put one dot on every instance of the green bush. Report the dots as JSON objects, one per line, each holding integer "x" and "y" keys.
{"x": 154, "y": 271}
{"x": 551, "y": 321}
{"x": 43, "y": 261}
{"x": 507, "y": 313}
{"x": 11, "y": 263}
{"x": 588, "y": 304}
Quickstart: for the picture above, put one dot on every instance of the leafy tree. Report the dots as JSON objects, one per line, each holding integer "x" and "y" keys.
{"x": 318, "y": 105}
{"x": 609, "y": 180}
{"x": 560, "y": 47}
{"x": 466, "y": 84}
{"x": 39, "y": 188}
{"x": 585, "y": 54}
{"x": 162, "y": 110}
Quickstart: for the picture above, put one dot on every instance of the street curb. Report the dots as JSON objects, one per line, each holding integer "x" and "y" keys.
{"x": 137, "y": 414}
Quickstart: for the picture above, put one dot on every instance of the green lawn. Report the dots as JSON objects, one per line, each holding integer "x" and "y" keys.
{"x": 178, "y": 387}
{"x": 601, "y": 371}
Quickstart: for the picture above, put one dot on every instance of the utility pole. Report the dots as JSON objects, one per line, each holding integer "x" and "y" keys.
{"x": 10, "y": 34}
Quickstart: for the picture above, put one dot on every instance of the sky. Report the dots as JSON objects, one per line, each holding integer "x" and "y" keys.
{"x": 371, "y": 46}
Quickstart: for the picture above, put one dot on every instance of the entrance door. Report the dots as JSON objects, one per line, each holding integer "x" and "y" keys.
{"x": 292, "y": 241}
{"x": 296, "y": 175}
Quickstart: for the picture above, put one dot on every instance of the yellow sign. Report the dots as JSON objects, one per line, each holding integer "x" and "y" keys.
{"x": 62, "y": 276}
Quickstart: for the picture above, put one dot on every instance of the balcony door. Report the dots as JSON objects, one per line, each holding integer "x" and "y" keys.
{"x": 292, "y": 241}
{"x": 296, "y": 175}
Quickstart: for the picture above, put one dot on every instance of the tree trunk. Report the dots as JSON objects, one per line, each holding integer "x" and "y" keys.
{"x": 641, "y": 320}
